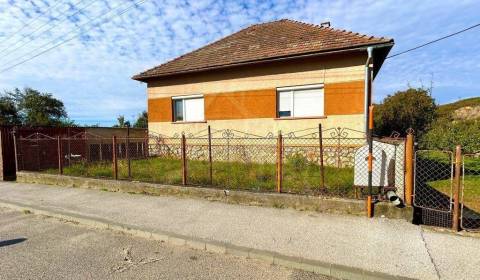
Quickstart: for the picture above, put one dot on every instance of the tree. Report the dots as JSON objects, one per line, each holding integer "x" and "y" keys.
{"x": 8, "y": 112}
{"x": 31, "y": 107}
{"x": 121, "y": 122}
{"x": 413, "y": 108}
{"x": 142, "y": 120}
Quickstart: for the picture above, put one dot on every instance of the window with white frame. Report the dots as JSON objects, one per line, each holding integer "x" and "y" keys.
{"x": 300, "y": 101}
{"x": 188, "y": 108}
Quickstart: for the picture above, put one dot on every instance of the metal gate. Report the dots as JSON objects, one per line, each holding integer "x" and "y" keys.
{"x": 433, "y": 187}
{"x": 470, "y": 199}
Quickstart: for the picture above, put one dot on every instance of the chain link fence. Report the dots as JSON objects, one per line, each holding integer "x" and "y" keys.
{"x": 434, "y": 180}
{"x": 313, "y": 162}
{"x": 470, "y": 203}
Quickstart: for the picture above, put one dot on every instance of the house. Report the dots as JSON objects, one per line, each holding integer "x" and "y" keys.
{"x": 277, "y": 76}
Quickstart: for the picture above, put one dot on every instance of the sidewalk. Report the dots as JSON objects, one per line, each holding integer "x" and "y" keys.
{"x": 393, "y": 247}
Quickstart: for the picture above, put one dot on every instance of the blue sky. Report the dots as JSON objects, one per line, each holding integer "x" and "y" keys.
{"x": 91, "y": 72}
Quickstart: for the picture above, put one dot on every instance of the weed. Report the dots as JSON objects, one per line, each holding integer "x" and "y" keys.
{"x": 300, "y": 175}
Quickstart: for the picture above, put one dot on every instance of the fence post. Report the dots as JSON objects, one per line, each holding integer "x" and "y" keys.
{"x": 101, "y": 149}
{"x": 114, "y": 158}
{"x": 60, "y": 155}
{"x": 14, "y": 132}
{"x": 456, "y": 189}
{"x": 184, "y": 160}
{"x": 279, "y": 162}
{"x": 127, "y": 153}
{"x": 322, "y": 169}
{"x": 210, "y": 167}
{"x": 409, "y": 154}
{"x": 69, "y": 147}
{"x": 370, "y": 161}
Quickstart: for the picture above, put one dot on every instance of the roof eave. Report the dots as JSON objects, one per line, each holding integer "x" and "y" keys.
{"x": 384, "y": 45}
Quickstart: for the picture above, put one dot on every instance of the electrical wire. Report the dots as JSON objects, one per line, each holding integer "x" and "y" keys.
{"x": 434, "y": 41}
{"x": 44, "y": 31}
{"x": 71, "y": 38}
{"x": 30, "y": 22}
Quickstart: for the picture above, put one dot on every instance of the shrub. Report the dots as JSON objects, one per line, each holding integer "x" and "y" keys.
{"x": 445, "y": 134}
{"x": 413, "y": 108}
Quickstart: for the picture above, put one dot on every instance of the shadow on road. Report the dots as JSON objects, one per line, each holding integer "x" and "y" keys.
{"x": 9, "y": 242}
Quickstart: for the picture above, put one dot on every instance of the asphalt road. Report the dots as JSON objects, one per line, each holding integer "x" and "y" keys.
{"x": 37, "y": 247}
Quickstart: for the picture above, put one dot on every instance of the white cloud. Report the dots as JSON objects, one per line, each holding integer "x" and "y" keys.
{"x": 92, "y": 72}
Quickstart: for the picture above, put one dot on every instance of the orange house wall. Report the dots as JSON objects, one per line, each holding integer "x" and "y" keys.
{"x": 241, "y": 105}
{"x": 345, "y": 98}
{"x": 160, "y": 109}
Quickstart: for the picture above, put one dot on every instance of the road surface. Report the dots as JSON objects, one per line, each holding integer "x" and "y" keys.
{"x": 38, "y": 247}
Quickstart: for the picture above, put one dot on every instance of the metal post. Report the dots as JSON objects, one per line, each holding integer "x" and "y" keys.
{"x": 409, "y": 152}
{"x": 68, "y": 146}
{"x": 322, "y": 169}
{"x": 456, "y": 189}
{"x": 60, "y": 155}
{"x": 184, "y": 160}
{"x": 279, "y": 162}
{"x": 101, "y": 149}
{"x": 114, "y": 158}
{"x": 15, "y": 148}
{"x": 210, "y": 167}
{"x": 127, "y": 153}
{"x": 338, "y": 150}
{"x": 370, "y": 161}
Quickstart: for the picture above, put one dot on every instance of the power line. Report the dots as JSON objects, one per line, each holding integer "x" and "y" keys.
{"x": 30, "y": 22}
{"x": 61, "y": 36}
{"x": 44, "y": 31}
{"x": 71, "y": 38}
{"x": 436, "y": 40}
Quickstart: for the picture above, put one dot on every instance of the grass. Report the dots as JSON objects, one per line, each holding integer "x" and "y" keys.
{"x": 299, "y": 175}
{"x": 471, "y": 191}
{"x": 471, "y": 180}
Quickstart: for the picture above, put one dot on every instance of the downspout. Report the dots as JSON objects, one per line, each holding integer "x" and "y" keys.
{"x": 368, "y": 86}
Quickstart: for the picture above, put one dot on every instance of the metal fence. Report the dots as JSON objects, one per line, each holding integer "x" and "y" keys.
{"x": 447, "y": 189}
{"x": 434, "y": 172}
{"x": 470, "y": 203}
{"x": 310, "y": 161}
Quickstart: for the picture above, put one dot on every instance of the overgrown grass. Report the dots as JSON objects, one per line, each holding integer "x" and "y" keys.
{"x": 299, "y": 175}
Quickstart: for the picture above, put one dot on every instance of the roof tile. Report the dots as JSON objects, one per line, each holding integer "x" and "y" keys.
{"x": 263, "y": 41}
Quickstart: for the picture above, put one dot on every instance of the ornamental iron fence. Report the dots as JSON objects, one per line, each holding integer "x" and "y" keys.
{"x": 309, "y": 161}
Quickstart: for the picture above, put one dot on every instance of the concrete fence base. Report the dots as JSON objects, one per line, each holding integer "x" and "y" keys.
{"x": 298, "y": 202}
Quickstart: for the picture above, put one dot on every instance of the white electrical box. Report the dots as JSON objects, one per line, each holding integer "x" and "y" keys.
{"x": 383, "y": 169}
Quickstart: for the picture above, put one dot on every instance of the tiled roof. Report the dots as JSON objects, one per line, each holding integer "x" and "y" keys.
{"x": 259, "y": 42}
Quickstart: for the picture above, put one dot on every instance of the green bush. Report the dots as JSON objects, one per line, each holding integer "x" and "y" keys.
{"x": 413, "y": 108}
{"x": 446, "y": 134}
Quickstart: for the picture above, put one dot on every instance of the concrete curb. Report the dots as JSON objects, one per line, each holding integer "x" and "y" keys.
{"x": 274, "y": 200}
{"x": 324, "y": 268}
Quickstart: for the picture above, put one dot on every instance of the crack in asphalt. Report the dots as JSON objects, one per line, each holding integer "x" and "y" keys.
{"x": 428, "y": 252}
{"x": 130, "y": 263}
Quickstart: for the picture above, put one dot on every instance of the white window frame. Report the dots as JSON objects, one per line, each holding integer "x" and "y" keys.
{"x": 292, "y": 89}
{"x": 184, "y": 109}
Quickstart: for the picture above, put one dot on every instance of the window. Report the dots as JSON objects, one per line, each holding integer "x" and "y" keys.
{"x": 188, "y": 109}
{"x": 302, "y": 101}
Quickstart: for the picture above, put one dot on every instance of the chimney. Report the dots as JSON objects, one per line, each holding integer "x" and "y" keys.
{"x": 325, "y": 24}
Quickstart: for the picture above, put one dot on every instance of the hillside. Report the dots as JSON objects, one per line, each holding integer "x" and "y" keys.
{"x": 465, "y": 109}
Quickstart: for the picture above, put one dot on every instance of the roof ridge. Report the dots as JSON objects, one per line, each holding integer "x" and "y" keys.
{"x": 296, "y": 37}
